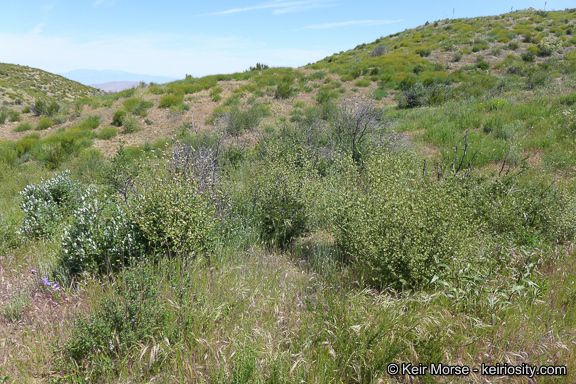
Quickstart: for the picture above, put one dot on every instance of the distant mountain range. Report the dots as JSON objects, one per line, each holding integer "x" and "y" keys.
{"x": 99, "y": 77}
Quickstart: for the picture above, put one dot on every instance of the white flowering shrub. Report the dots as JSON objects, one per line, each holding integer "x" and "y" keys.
{"x": 102, "y": 237}
{"x": 47, "y": 204}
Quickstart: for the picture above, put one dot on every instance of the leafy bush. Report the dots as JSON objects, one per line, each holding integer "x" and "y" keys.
{"x": 26, "y": 126}
{"x": 379, "y": 94}
{"x": 44, "y": 123}
{"x": 107, "y": 133}
{"x": 284, "y": 87}
{"x": 42, "y": 107}
{"x": 280, "y": 208}
{"x": 171, "y": 212}
{"x": 398, "y": 232}
{"x": 170, "y": 100}
{"x": 13, "y": 115}
{"x": 102, "y": 237}
{"x": 91, "y": 122}
{"x": 133, "y": 315}
{"x": 46, "y": 205}
{"x": 549, "y": 45}
{"x": 420, "y": 95}
{"x": 424, "y": 52}
{"x": 130, "y": 124}
{"x": 236, "y": 121}
{"x": 141, "y": 109}
{"x": 118, "y": 117}
{"x": 528, "y": 56}
{"x": 325, "y": 95}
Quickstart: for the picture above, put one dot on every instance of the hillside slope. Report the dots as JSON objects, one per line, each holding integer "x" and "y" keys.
{"x": 23, "y": 84}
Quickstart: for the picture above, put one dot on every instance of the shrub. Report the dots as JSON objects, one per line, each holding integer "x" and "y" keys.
{"x": 513, "y": 45}
{"x": 118, "y": 117}
{"x": 325, "y": 95}
{"x": 424, "y": 52}
{"x": 528, "y": 56}
{"x": 401, "y": 240}
{"x": 42, "y": 107}
{"x": 379, "y": 94}
{"x": 133, "y": 316}
{"x": 170, "y": 100}
{"x": 91, "y": 122}
{"x": 284, "y": 87}
{"x": 278, "y": 192}
{"x": 549, "y": 45}
{"x": 379, "y": 50}
{"x": 107, "y": 133}
{"x": 102, "y": 237}
{"x": 483, "y": 65}
{"x": 45, "y": 205}
{"x": 3, "y": 116}
{"x": 14, "y": 115}
{"x": 44, "y": 123}
{"x": 172, "y": 213}
{"x": 130, "y": 125}
{"x": 26, "y": 126}
{"x": 141, "y": 109}
{"x": 237, "y": 121}
{"x": 352, "y": 124}
{"x": 362, "y": 83}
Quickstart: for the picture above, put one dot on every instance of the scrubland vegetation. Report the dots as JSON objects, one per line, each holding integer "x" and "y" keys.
{"x": 412, "y": 200}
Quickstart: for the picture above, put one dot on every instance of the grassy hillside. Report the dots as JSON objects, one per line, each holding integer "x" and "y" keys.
{"x": 22, "y": 84}
{"x": 412, "y": 200}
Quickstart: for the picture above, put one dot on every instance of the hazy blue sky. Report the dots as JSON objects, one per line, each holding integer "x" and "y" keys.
{"x": 173, "y": 38}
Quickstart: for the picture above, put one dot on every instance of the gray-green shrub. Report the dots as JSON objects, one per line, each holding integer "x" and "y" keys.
{"x": 47, "y": 204}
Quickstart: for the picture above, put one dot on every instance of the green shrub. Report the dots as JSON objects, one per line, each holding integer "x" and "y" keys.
{"x": 170, "y": 100}
{"x": 127, "y": 92}
{"x": 91, "y": 122}
{"x": 45, "y": 205}
{"x": 130, "y": 125}
{"x": 131, "y": 317}
{"x": 130, "y": 103}
{"x": 14, "y": 115}
{"x": 141, "y": 109}
{"x": 44, "y": 123}
{"x": 424, "y": 52}
{"x": 284, "y": 87}
{"x": 107, "y": 133}
{"x": 513, "y": 45}
{"x": 118, "y": 117}
{"x": 278, "y": 191}
{"x": 362, "y": 83}
{"x": 549, "y": 45}
{"x": 237, "y": 121}
{"x": 102, "y": 237}
{"x": 528, "y": 56}
{"x": 379, "y": 94}
{"x": 3, "y": 116}
{"x": 325, "y": 95}
{"x": 26, "y": 126}
{"x": 483, "y": 65}
{"x": 398, "y": 232}
{"x": 42, "y": 107}
{"x": 172, "y": 213}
